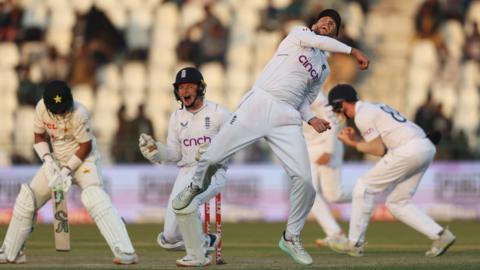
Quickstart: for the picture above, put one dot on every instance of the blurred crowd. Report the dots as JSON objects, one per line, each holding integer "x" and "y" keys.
{"x": 120, "y": 57}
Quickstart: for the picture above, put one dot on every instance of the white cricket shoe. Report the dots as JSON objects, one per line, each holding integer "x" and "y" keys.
{"x": 441, "y": 245}
{"x": 178, "y": 246}
{"x": 295, "y": 249}
{"x": 331, "y": 240}
{"x": 126, "y": 258}
{"x": 347, "y": 247}
{"x": 185, "y": 197}
{"x": 192, "y": 261}
{"x": 20, "y": 259}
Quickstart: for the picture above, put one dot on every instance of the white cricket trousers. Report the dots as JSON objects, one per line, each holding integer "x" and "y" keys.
{"x": 327, "y": 180}
{"x": 260, "y": 115}
{"x": 171, "y": 232}
{"x": 399, "y": 172}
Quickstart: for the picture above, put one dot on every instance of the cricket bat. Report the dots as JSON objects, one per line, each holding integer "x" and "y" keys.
{"x": 61, "y": 228}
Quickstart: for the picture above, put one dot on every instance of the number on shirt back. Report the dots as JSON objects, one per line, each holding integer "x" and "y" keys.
{"x": 396, "y": 115}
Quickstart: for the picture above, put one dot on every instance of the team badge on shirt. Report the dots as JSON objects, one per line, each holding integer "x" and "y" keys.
{"x": 184, "y": 124}
{"x": 207, "y": 122}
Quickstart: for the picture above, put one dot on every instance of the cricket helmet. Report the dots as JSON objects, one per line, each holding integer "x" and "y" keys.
{"x": 57, "y": 97}
{"x": 189, "y": 75}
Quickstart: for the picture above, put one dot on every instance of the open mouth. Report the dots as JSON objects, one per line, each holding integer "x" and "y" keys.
{"x": 324, "y": 28}
{"x": 187, "y": 99}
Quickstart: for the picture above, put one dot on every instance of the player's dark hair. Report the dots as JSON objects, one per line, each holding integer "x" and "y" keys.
{"x": 332, "y": 14}
{"x": 340, "y": 93}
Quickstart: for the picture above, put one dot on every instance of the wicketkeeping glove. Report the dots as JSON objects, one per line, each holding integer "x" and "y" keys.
{"x": 202, "y": 149}
{"x": 154, "y": 151}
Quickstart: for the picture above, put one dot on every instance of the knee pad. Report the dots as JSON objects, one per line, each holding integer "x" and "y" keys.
{"x": 111, "y": 226}
{"x": 25, "y": 204}
{"x": 96, "y": 201}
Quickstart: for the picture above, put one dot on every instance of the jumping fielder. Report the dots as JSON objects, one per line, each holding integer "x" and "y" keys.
{"x": 74, "y": 158}
{"x": 274, "y": 110}
{"x": 190, "y": 131}
{"x": 326, "y": 159}
{"x": 406, "y": 154}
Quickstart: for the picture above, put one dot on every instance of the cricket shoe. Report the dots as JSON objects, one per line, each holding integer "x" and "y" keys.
{"x": 211, "y": 241}
{"x": 126, "y": 258}
{"x": 350, "y": 248}
{"x": 20, "y": 259}
{"x": 185, "y": 197}
{"x": 441, "y": 245}
{"x": 178, "y": 246}
{"x": 331, "y": 240}
{"x": 192, "y": 261}
{"x": 295, "y": 249}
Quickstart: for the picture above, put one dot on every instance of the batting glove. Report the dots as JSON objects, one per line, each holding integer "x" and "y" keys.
{"x": 66, "y": 179}
{"x": 52, "y": 171}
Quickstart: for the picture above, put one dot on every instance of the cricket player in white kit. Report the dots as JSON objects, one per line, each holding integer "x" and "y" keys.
{"x": 74, "y": 160}
{"x": 274, "y": 109}
{"x": 406, "y": 154}
{"x": 190, "y": 131}
{"x": 326, "y": 159}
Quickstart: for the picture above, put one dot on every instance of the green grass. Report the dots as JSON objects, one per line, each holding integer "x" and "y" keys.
{"x": 391, "y": 245}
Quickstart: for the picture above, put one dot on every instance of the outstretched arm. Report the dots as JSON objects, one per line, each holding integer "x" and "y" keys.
{"x": 306, "y": 38}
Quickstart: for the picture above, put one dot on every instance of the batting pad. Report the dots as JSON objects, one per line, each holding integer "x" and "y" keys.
{"x": 108, "y": 221}
{"x": 191, "y": 229}
{"x": 21, "y": 224}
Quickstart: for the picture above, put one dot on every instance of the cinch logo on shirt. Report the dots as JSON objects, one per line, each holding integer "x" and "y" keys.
{"x": 197, "y": 141}
{"x": 308, "y": 66}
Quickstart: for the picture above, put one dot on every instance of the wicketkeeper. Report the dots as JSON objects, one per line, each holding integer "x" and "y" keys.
{"x": 74, "y": 160}
{"x": 190, "y": 130}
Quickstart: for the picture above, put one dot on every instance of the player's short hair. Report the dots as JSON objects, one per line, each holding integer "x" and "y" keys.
{"x": 340, "y": 93}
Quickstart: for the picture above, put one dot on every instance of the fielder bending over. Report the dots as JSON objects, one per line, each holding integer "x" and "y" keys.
{"x": 406, "y": 154}
{"x": 74, "y": 160}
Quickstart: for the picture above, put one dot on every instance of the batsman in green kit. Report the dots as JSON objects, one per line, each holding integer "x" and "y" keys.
{"x": 74, "y": 160}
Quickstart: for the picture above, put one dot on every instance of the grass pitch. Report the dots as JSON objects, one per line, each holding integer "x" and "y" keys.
{"x": 392, "y": 245}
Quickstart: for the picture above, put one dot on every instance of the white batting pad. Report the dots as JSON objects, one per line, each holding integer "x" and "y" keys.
{"x": 21, "y": 224}
{"x": 191, "y": 229}
{"x": 108, "y": 220}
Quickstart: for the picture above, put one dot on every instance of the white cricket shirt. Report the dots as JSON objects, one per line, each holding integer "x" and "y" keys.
{"x": 66, "y": 133}
{"x": 298, "y": 68}
{"x": 187, "y": 131}
{"x": 375, "y": 120}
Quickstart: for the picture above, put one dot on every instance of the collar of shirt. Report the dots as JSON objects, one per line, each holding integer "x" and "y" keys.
{"x": 205, "y": 103}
